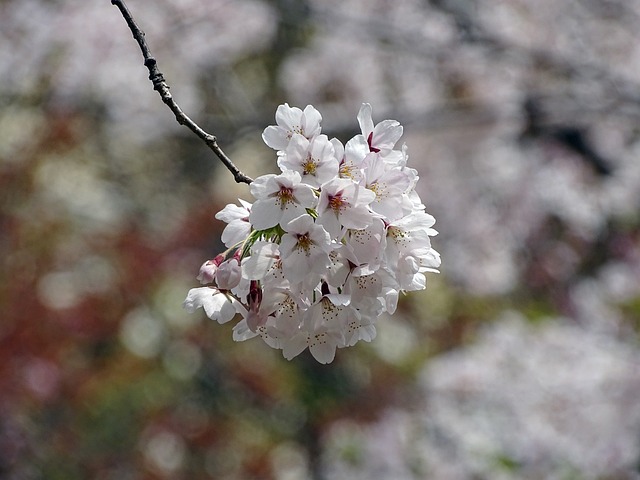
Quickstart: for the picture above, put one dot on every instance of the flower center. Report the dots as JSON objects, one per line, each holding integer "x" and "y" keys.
{"x": 295, "y": 129}
{"x": 370, "y": 141}
{"x": 401, "y": 237}
{"x": 347, "y": 170}
{"x": 337, "y": 203}
{"x": 285, "y": 196}
{"x": 304, "y": 242}
{"x": 309, "y": 166}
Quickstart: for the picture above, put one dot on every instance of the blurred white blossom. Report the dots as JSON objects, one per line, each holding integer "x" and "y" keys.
{"x": 522, "y": 402}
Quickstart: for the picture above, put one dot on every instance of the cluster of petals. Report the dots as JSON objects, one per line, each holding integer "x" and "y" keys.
{"x": 327, "y": 245}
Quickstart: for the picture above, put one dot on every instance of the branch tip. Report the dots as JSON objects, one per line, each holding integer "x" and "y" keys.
{"x": 160, "y": 85}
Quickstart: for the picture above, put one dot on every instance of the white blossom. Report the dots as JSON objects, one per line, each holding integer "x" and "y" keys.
{"x": 217, "y": 305}
{"x": 314, "y": 159}
{"x": 237, "y": 219}
{"x": 305, "y": 250}
{"x": 292, "y": 120}
{"x": 381, "y": 137}
{"x": 344, "y": 203}
{"x": 279, "y": 199}
{"x": 328, "y": 244}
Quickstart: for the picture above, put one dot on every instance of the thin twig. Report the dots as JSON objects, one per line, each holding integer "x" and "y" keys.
{"x": 160, "y": 85}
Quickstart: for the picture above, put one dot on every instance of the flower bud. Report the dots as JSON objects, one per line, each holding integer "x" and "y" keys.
{"x": 208, "y": 270}
{"x": 229, "y": 274}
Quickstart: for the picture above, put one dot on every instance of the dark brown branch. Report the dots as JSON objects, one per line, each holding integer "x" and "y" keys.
{"x": 160, "y": 85}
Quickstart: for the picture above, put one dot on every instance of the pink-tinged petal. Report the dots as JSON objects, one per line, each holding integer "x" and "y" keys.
{"x": 263, "y": 256}
{"x": 366, "y": 246}
{"x": 254, "y": 320}
{"x": 339, "y": 298}
{"x": 296, "y": 267}
{"x": 323, "y": 349}
{"x": 275, "y": 137}
{"x": 364, "y": 119}
{"x": 338, "y": 148}
{"x": 295, "y": 154}
{"x": 357, "y": 217}
{"x": 364, "y": 196}
{"x": 390, "y": 297}
{"x": 357, "y": 331}
{"x": 305, "y": 249}
{"x": 368, "y": 333}
{"x": 290, "y": 212}
{"x": 305, "y": 196}
{"x": 331, "y": 223}
{"x": 291, "y": 121}
{"x": 229, "y": 274}
{"x": 279, "y": 199}
{"x": 231, "y": 212}
{"x": 386, "y": 134}
{"x": 208, "y": 270}
{"x": 301, "y": 225}
{"x": 265, "y": 214}
{"x": 220, "y": 308}
{"x": 356, "y": 149}
{"x": 295, "y": 345}
{"x": 263, "y": 186}
{"x": 195, "y": 298}
{"x": 217, "y": 305}
{"x": 315, "y": 160}
{"x": 287, "y": 245}
{"x": 312, "y": 120}
{"x": 287, "y": 116}
{"x": 310, "y": 123}
{"x": 235, "y": 232}
{"x": 381, "y": 137}
{"x": 242, "y": 332}
{"x": 237, "y": 218}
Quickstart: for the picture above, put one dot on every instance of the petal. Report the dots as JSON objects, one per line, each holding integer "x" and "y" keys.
{"x": 296, "y": 267}
{"x": 368, "y": 332}
{"x": 265, "y": 214}
{"x": 300, "y": 225}
{"x": 324, "y": 350}
{"x": 295, "y": 345}
{"x": 263, "y": 186}
{"x": 386, "y": 134}
{"x": 290, "y": 212}
{"x": 232, "y": 212}
{"x": 310, "y": 121}
{"x": 195, "y": 298}
{"x": 364, "y": 119}
{"x": 338, "y": 148}
{"x": 263, "y": 256}
{"x": 241, "y": 332}
{"x": 287, "y": 116}
{"x": 364, "y": 196}
{"x": 235, "y": 232}
{"x": 330, "y": 222}
{"x": 219, "y": 307}
{"x": 275, "y": 137}
{"x": 357, "y": 217}
{"x": 305, "y": 196}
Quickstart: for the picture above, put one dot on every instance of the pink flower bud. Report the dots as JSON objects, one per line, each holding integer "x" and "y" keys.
{"x": 254, "y": 299}
{"x": 208, "y": 270}
{"x": 229, "y": 274}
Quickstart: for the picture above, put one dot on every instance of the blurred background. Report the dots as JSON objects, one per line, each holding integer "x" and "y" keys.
{"x": 521, "y": 360}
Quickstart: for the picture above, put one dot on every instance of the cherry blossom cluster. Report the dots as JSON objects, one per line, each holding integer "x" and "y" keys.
{"x": 327, "y": 245}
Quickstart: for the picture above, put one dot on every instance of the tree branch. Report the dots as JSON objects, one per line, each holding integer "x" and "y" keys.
{"x": 161, "y": 86}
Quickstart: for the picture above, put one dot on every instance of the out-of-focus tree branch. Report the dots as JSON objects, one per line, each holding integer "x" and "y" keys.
{"x": 472, "y": 31}
{"x": 161, "y": 86}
